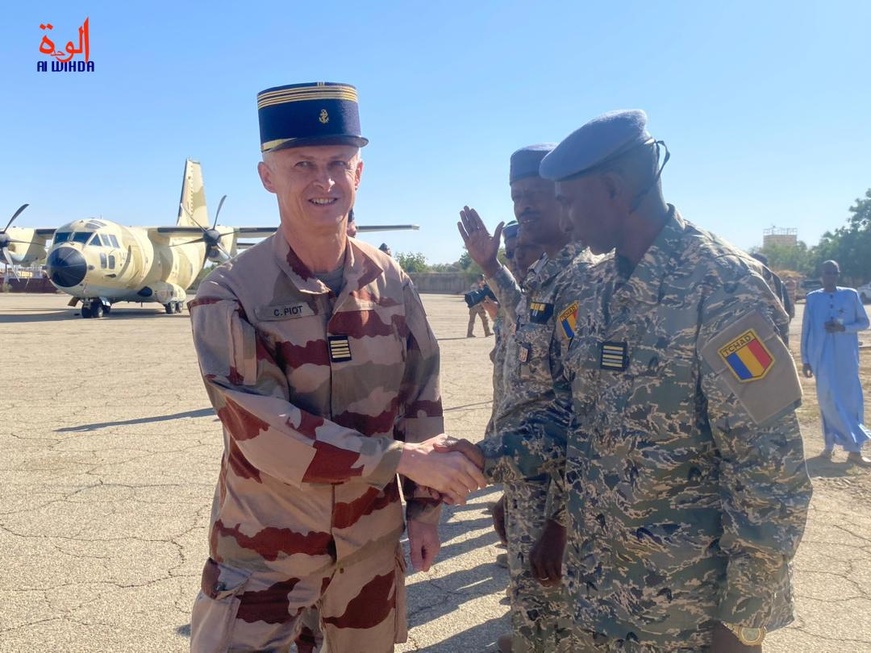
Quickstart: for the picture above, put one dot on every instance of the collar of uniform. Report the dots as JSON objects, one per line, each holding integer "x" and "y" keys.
{"x": 551, "y": 267}
{"x": 360, "y": 268}
{"x": 644, "y": 283}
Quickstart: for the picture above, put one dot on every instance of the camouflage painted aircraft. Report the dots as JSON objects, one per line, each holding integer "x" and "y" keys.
{"x": 100, "y": 262}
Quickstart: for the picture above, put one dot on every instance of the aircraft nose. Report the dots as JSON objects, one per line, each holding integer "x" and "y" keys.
{"x": 66, "y": 267}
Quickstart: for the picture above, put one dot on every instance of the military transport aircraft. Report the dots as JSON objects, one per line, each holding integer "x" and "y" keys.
{"x": 100, "y": 262}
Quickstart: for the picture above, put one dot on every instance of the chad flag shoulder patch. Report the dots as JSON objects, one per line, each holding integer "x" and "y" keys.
{"x": 568, "y": 320}
{"x": 747, "y": 357}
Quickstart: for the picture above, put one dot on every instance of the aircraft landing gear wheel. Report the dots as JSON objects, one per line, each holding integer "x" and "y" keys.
{"x": 86, "y": 311}
{"x": 179, "y": 307}
{"x": 107, "y": 309}
{"x": 97, "y": 310}
{"x": 168, "y": 308}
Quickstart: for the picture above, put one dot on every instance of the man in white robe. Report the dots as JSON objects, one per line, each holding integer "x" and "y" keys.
{"x": 833, "y": 316}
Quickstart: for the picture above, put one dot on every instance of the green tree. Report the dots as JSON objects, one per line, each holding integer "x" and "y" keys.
{"x": 412, "y": 262}
{"x": 790, "y": 257}
{"x": 849, "y": 245}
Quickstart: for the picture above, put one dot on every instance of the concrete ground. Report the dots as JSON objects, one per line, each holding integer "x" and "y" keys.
{"x": 110, "y": 454}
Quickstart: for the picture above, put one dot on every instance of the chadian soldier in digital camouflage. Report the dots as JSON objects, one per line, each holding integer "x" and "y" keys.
{"x": 318, "y": 359}
{"x": 687, "y": 486}
{"x": 539, "y": 614}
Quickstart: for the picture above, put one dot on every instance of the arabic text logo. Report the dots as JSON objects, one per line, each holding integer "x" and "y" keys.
{"x": 64, "y": 59}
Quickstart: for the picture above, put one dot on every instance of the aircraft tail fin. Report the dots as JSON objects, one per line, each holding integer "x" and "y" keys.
{"x": 192, "y": 209}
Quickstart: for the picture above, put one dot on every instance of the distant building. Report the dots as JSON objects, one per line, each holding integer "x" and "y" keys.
{"x": 779, "y": 236}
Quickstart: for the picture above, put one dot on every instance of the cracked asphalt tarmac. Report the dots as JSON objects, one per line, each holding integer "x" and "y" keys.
{"x": 110, "y": 455}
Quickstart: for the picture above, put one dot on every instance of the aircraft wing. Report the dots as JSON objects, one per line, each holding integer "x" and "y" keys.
{"x": 386, "y": 227}
{"x": 241, "y": 232}
{"x": 45, "y": 232}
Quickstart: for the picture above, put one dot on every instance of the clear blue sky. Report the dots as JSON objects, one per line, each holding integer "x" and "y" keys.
{"x": 765, "y": 106}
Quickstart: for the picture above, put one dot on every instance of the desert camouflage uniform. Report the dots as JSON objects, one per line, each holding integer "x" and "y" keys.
{"x": 688, "y": 491}
{"x": 314, "y": 392}
{"x": 539, "y": 614}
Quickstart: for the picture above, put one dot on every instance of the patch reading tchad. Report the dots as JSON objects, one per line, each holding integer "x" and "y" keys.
{"x": 747, "y": 357}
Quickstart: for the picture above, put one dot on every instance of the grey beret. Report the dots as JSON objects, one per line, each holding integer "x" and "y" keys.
{"x": 601, "y": 140}
{"x": 525, "y": 161}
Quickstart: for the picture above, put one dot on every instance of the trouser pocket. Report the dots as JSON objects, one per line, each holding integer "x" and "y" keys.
{"x": 215, "y": 608}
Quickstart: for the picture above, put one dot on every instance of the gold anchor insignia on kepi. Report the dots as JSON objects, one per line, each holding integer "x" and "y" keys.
{"x": 324, "y": 117}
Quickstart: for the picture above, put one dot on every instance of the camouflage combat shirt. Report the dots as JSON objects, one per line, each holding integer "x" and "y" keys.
{"x": 314, "y": 392}
{"x": 687, "y": 486}
{"x": 531, "y": 363}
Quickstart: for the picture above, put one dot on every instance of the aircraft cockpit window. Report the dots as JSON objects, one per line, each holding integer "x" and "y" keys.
{"x": 104, "y": 240}
{"x": 81, "y": 237}
{"x": 62, "y": 236}
{"x": 114, "y": 241}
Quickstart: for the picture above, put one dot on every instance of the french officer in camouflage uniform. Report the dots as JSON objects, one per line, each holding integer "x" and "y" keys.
{"x": 687, "y": 486}
{"x": 317, "y": 357}
{"x": 539, "y": 613}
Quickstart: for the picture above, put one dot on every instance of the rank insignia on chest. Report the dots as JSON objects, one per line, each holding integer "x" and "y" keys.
{"x": 523, "y": 353}
{"x": 747, "y": 357}
{"x": 614, "y": 356}
{"x": 340, "y": 349}
{"x": 539, "y": 312}
{"x": 568, "y": 320}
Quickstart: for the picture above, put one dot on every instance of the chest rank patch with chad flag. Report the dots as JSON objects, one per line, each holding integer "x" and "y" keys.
{"x": 747, "y": 357}
{"x": 568, "y": 320}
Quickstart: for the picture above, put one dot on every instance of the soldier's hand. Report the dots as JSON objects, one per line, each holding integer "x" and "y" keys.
{"x": 482, "y": 247}
{"x": 423, "y": 543}
{"x": 724, "y": 641}
{"x": 806, "y": 369}
{"x": 499, "y": 519}
{"x": 448, "y": 472}
{"x": 469, "y": 450}
{"x": 546, "y": 557}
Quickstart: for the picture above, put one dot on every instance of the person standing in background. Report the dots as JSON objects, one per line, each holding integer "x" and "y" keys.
{"x": 832, "y": 318}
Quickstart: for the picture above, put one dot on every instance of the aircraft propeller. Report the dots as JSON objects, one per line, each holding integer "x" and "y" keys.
{"x": 211, "y": 237}
{"x": 5, "y": 240}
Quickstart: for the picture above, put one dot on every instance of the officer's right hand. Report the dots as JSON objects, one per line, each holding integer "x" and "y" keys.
{"x": 806, "y": 369}
{"x": 482, "y": 247}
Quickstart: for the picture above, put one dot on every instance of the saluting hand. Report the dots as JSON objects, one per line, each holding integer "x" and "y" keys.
{"x": 482, "y": 247}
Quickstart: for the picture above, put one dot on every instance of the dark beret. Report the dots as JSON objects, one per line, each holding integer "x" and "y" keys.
{"x": 320, "y": 113}
{"x": 525, "y": 161}
{"x": 598, "y": 142}
{"x": 510, "y": 230}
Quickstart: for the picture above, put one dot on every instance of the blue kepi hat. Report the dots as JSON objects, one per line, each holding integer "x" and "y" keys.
{"x": 318, "y": 113}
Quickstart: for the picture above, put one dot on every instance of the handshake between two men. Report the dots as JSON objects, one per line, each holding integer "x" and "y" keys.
{"x": 451, "y": 468}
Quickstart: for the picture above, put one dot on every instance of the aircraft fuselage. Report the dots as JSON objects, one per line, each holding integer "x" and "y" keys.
{"x": 98, "y": 259}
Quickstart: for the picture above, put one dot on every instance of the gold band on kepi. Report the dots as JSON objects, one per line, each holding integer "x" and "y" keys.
{"x": 318, "y": 113}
